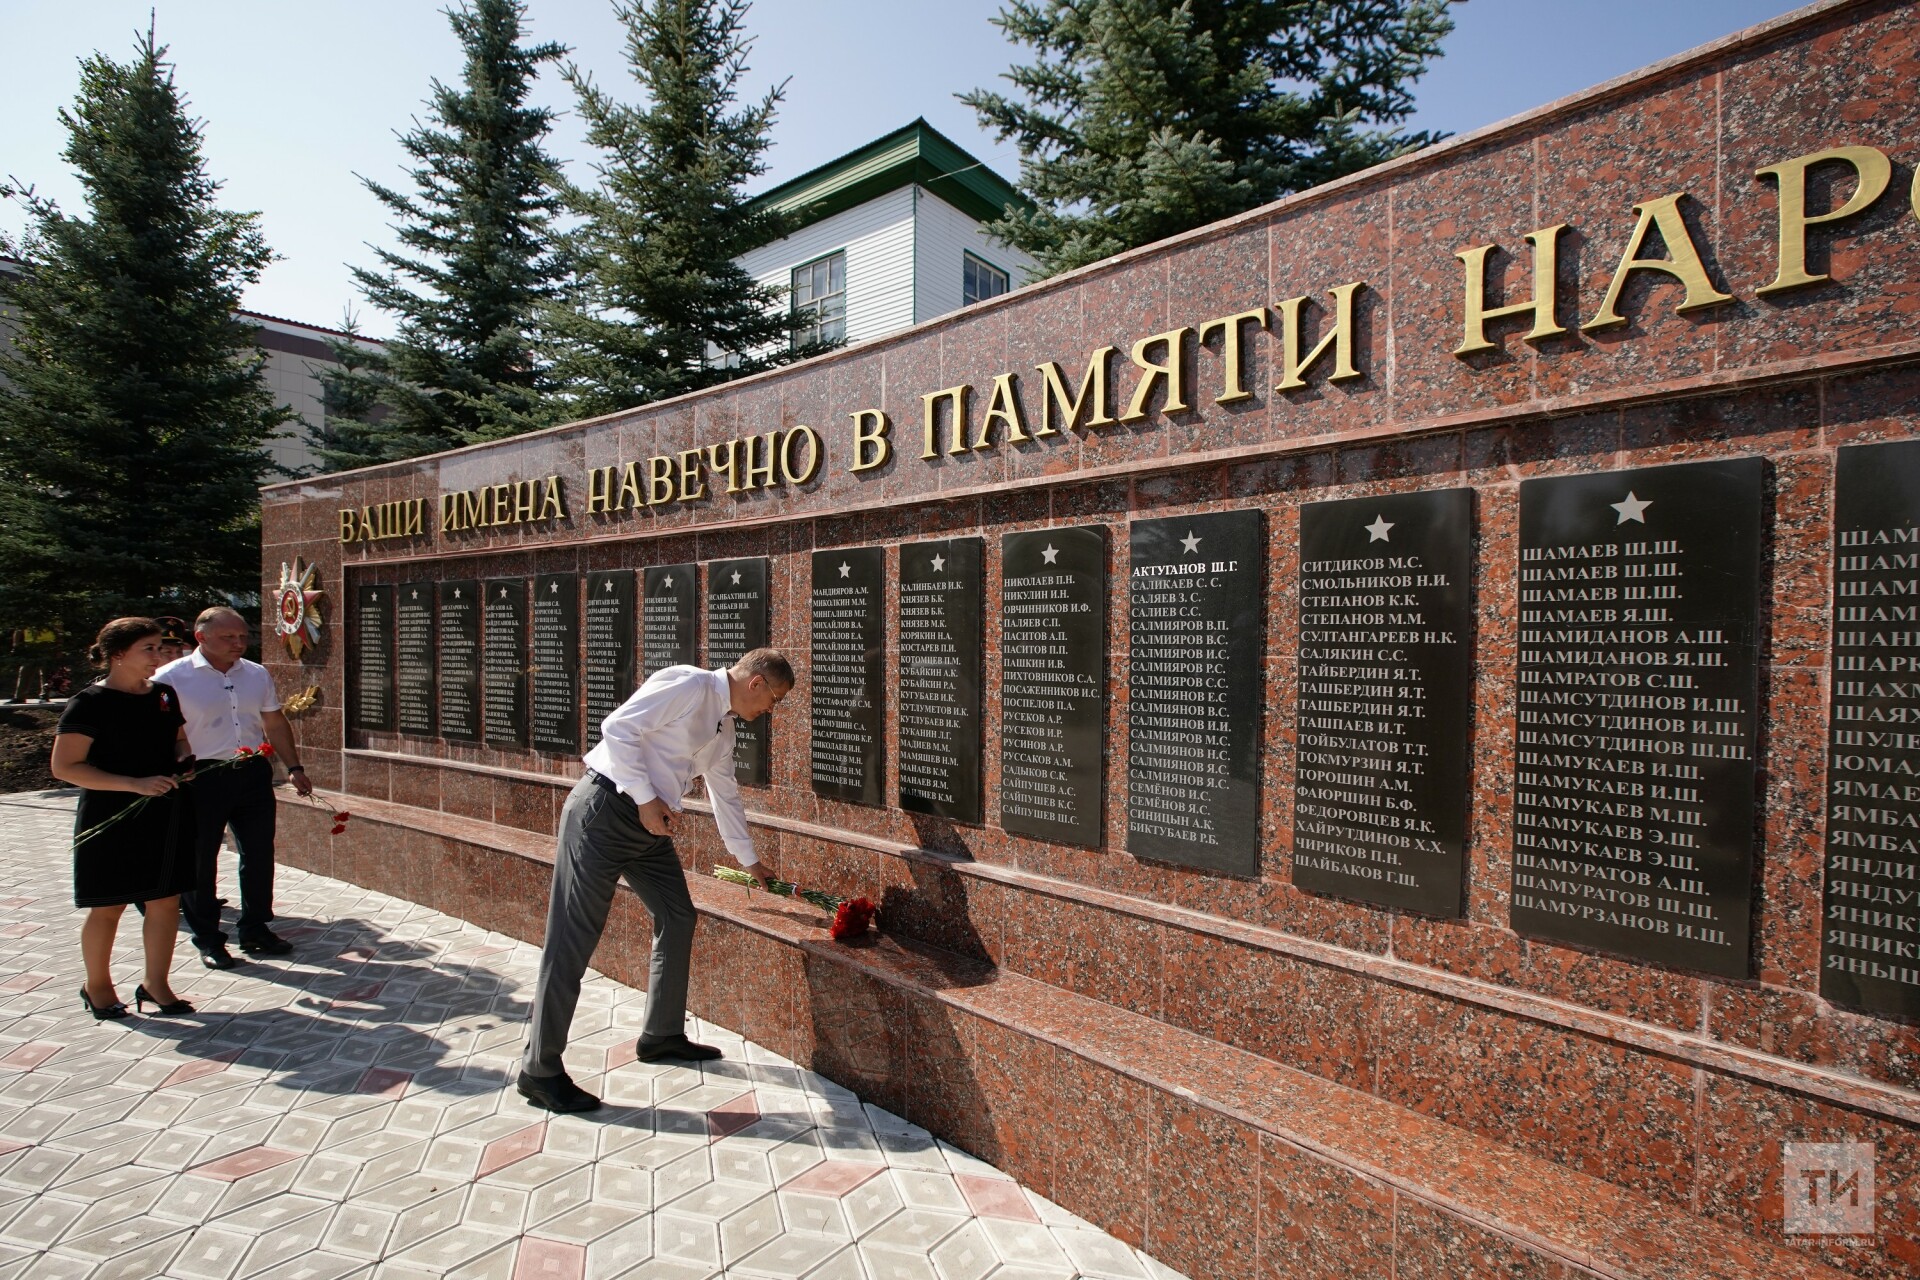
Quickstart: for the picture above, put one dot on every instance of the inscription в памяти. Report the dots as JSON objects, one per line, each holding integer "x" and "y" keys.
{"x": 1053, "y": 683}
{"x": 609, "y": 633}
{"x": 503, "y": 661}
{"x": 1194, "y": 621}
{"x": 1635, "y": 711}
{"x": 373, "y": 658}
{"x": 848, "y": 673}
{"x": 1870, "y": 934}
{"x": 737, "y": 624}
{"x": 940, "y": 678}
{"x": 667, "y": 618}
{"x": 1385, "y": 691}
{"x": 460, "y": 661}
{"x": 414, "y": 659}
{"x": 555, "y": 673}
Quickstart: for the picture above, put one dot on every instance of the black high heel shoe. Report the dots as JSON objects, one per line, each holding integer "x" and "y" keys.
{"x": 171, "y": 1009}
{"x": 102, "y": 1013}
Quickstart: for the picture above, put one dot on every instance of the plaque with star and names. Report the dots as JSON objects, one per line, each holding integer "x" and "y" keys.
{"x": 414, "y": 659}
{"x": 608, "y": 624}
{"x": 1635, "y": 711}
{"x": 1870, "y": 914}
{"x": 503, "y": 661}
{"x": 939, "y": 684}
{"x": 553, "y": 684}
{"x": 460, "y": 661}
{"x": 1195, "y": 628}
{"x": 1383, "y": 699}
{"x": 373, "y": 661}
{"x": 668, "y": 609}
{"x": 847, "y": 674}
{"x": 1053, "y": 684}
{"x": 737, "y": 623}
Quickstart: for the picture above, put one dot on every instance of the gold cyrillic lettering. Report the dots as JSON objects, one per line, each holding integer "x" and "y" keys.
{"x": 956, "y": 398}
{"x": 760, "y": 475}
{"x": 723, "y": 458}
{"x": 1871, "y": 172}
{"x": 1293, "y": 368}
{"x": 1232, "y": 351}
{"x": 348, "y": 531}
{"x": 815, "y": 451}
{"x": 1095, "y": 378}
{"x": 1682, "y": 263}
{"x": 1172, "y": 373}
{"x": 870, "y": 428}
{"x": 692, "y": 485}
{"x": 659, "y": 479}
{"x": 473, "y": 508}
{"x": 599, "y": 490}
{"x": 1005, "y": 407}
{"x": 1543, "y": 306}
{"x": 550, "y": 501}
{"x": 630, "y": 488}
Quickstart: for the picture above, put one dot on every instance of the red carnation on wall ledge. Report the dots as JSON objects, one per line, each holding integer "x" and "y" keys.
{"x": 852, "y": 917}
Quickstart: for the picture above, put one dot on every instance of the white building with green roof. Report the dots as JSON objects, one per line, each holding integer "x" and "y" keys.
{"x": 891, "y": 234}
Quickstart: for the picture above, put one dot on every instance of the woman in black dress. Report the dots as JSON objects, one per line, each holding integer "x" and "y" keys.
{"x": 123, "y": 741}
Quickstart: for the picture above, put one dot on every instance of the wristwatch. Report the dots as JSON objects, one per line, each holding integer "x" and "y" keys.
{"x": 296, "y": 768}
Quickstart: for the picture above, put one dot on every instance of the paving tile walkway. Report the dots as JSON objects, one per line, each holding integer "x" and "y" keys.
{"x": 345, "y": 1113}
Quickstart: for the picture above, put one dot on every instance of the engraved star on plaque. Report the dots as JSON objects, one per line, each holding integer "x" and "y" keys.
{"x": 1050, "y": 554}
{"x": 845, "y": 569}
{"x": 939, "y": 564}
{"x": 606, "y": 584}
{"x": 667, "y": 582}
{"x": 1632, "y": 508}
{"x": 1191, "y": 543}
{"x": 736, "y": 577}
{"x": 1377, "y": 531}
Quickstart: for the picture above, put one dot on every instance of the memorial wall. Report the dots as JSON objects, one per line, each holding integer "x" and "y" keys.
{"x": 1438, "y": 659}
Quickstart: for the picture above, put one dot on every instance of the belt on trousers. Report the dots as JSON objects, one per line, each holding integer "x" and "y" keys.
{"x": 605, "y": 783}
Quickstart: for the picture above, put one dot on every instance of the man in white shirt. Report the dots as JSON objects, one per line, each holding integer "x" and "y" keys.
{"x": 230, "y": 703}
{"x": 618, "y": 823}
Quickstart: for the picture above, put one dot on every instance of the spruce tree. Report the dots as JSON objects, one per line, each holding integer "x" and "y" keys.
{"x": 132, "y": 411}
{"x": 656, "y": 305}
{"x": 1140, "y": 119}
{"x": 475, "y": 257}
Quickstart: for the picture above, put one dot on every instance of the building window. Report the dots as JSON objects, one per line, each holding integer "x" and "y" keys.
{"x": 820, "y": 300}
{"x": 981, "y": 281}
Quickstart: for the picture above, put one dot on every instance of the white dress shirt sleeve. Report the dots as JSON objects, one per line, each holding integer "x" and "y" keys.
{"x": 728, "y": 813}
{"x": 628, "y": 735}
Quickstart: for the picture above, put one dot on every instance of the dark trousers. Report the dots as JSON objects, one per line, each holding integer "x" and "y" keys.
{"x": 239, "y": 796}
{"x": 601, "y": 843}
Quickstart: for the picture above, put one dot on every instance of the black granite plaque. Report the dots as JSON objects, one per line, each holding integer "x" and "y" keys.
{"x": 940, "y": 678}
{"x": 414, "y": 654}
{"x": 736, "y": 624}
{"x": 848, "y": 673}
{"x": 460, "y": 661}
{"x": 373, "y": 658}
{"x": 609, "y": 628}
{"x": 1633, "y": 767}
{"x": 667, "y": 617}
{"x": 1870, "y": 935}
{"x": 554, "y": 674}
{"x": 1053, "y": 683}
{"x": 1383, "y": 703}
{"x": 1195, "y": 588}
{"x": 503, "y": 661}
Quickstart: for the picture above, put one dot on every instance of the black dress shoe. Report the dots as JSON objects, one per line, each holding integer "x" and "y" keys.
{"x": 166, "y": 1009}
{"x": 556, "y": 1093}
{"x": 675, "y": 1048}
{"x": 102, "y": 1012}
{"x": 218, "y": 957}
{"x": 265, "y": 942}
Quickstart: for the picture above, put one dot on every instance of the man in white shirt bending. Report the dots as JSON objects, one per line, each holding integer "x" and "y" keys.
{"x": 229, "y": 704}
{"x": 618, "y": 823}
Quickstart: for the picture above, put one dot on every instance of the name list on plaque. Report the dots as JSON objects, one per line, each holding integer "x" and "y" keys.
{"x": 373, "y": 658}
{"x": 554, "y": 686}
{"x": 848, "y": 673}
{"x": 1053, "y": 683}
{"x": 503, "y": 661}
{"x": 1870, "y": 935}
{"x": 1195, "y": 624}
{"x": 736, "y": 625}
{"x": 460, "y": 661}
{"x": 414, "y": 659}
{"x": 667, "y": 612}
{"x": 1635, "y": 711}
{"x": 940, "y": 678}
{"x": 609, "y": 632}
{"x": 1383, "y": 699}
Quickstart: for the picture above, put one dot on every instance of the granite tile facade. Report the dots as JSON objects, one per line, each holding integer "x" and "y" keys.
{"x": 1668, "y": 1089}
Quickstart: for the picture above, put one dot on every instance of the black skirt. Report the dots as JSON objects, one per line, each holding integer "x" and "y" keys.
{"x": 149, "y": 853}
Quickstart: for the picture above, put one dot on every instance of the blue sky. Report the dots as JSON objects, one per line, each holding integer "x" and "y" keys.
{"x": 299, "y": 98}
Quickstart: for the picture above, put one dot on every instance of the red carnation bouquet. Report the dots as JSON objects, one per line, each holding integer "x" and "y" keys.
{"x": 852, "y": 917}
{"x": 198, "y": 769}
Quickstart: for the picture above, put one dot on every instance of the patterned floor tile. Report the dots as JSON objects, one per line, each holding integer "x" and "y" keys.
{"x": 347, "y": 1113}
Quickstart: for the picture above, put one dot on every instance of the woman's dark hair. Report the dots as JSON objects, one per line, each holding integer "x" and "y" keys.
{"x": 119, "y": 636}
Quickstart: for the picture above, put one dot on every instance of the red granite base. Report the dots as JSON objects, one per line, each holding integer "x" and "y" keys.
{"x": 1221, "y": 1160}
